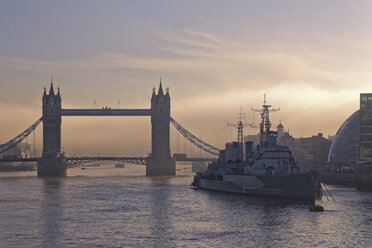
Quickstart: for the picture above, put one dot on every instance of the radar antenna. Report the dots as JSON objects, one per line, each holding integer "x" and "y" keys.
{"x": 239, "y": 125}
{"x": 265, "y": 124}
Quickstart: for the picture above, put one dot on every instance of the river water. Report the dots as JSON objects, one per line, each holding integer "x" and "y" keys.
{"x": 119, "y": 207}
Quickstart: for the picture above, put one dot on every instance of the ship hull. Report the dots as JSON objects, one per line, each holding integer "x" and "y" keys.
{"x": 298, "y": 186}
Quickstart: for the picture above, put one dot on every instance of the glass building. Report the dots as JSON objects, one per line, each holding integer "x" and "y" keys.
{"x": 353, "y": 139}
{"x": 345, "y": 147}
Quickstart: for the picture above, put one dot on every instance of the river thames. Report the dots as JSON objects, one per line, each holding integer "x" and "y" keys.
{"x": 120, "y": 207}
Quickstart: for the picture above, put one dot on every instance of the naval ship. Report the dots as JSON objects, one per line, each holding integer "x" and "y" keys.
{"x": 267, "y": 170}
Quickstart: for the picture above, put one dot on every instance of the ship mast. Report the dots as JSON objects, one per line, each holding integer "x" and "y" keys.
{"x": 265, "y": 124}
{"x": 239, "y": 125}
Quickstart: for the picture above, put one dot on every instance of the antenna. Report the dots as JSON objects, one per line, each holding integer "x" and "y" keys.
{"x": 265, "y": 124}
{"x": 239, "y": 125}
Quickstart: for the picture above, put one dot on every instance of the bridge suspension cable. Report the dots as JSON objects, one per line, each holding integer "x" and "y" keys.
{"x": 307, "y": 155}
{"x": 20, "y": 137}
{"x": 195, "y": 140}
{"x": 303, "y": 152}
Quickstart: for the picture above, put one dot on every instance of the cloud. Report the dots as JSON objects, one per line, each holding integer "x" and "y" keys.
{"x": 316, "y": 85}
{"x": 205, "y": 59}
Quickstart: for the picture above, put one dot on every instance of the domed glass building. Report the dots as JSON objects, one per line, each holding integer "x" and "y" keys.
{"x": 345, "y": 147}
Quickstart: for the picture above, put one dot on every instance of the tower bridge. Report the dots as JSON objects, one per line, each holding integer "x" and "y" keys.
{"x": 159, "y": 162}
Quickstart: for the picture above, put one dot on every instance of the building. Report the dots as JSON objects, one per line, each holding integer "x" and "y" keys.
{"x": 364, "y": 168}
{"x": 345, "y": 146}
{"x": 280, "y": 130}
{"x": 309, "y": 151}
{"x": 21, "y": 150}
{"x": 353, "y": 141}
{"x": 365, "y": 129}
{"x": 317, "y": 147}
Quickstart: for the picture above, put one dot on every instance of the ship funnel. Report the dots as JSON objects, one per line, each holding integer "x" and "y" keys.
{"x": 249, "y": 150}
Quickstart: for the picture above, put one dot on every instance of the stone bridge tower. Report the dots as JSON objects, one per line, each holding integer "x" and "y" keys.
{"x": 52, "y": 163}
{"x": 51, "y": 124}
{"x": 160, "y": 161}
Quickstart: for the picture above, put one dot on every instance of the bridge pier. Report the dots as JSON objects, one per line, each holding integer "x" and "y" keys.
{"x": 160, "y": 166}
{"x": 52, "y": 167}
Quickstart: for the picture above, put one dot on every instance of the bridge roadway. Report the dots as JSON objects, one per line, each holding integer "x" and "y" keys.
{"x": 106, "y": 112}
{"x": 136, "y": 160}
{"x": 19, "y": 160}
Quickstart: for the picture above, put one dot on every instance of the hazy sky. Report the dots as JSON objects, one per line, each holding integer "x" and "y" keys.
{"x": 312, "y": 58}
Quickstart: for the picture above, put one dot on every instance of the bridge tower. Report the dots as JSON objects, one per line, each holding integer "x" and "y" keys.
{"x": 52, "y": 163}
{"x": 160, "y": 162}
{"x": 51, "y": 123}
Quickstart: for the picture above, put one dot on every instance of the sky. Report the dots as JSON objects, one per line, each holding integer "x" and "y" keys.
{"x": 311, "y": 58}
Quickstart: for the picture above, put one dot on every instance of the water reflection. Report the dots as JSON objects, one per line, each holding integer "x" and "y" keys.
{"x": 252, "y": 215}
{"x": 160, "y": 180}
{"x": 160, "y": 204}
{"x": 133, "y": 211}
{"x": 51, "y": 212}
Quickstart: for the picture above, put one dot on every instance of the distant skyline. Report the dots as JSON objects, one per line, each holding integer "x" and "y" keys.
{"x": 312, "y": 58}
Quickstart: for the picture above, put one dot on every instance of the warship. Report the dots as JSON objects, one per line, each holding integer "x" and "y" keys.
{"x": 267, "y": 170}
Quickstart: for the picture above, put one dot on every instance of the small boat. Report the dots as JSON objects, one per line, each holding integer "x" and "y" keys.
{"x": 120, "y": 165}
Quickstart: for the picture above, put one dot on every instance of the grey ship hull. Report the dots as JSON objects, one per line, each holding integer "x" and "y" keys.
{"x": 297, "y": 186}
